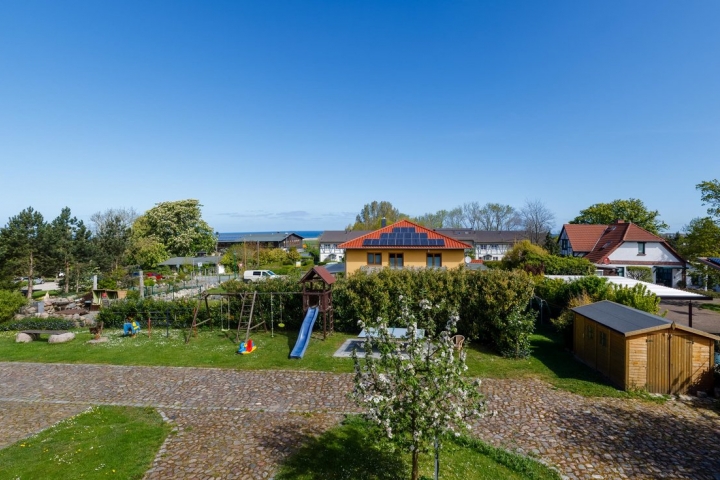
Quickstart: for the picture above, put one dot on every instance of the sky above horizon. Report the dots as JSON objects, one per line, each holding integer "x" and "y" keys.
{"x": 292, "y": 115}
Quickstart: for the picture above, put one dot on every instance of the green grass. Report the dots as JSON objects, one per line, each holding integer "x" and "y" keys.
{"x": 116, "y": 442}
{"x": 351, "y": 451}
{"x": 552, "y": 362}
{"x": 711, "y": 306}
{"x": 209, "y": 349}
{"x": 549, "y": 361}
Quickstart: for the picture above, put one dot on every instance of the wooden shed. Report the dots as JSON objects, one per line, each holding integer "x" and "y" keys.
{"x": 636, "y": 349}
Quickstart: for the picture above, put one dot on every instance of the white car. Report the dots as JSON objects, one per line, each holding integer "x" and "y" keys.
{"x": 258, "y": 275}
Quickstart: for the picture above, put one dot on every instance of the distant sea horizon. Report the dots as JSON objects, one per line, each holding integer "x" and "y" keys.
{"x": 302, "y": 233}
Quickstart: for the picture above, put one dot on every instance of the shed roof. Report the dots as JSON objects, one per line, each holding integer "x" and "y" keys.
{"x": 630, "y": 321}
{"x": 665, "y": 293}
{"x": 318, "y": 272}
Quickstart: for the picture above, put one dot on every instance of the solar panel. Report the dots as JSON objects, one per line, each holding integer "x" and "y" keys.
{"x": 715, "y": 260}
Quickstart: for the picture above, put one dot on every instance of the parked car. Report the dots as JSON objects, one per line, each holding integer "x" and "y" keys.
{"x": 258, "y": 275}
{"x": 38, "y": 281}
{"x": 154, "y": 275}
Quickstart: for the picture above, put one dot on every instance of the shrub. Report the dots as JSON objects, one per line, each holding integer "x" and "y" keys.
{"x": 532, "y": 258}
{"x": 492, "y": 305}
{"x": 10, "y": 303}
{"x": 33, "y": 323}
{"x": 640, "y": 273}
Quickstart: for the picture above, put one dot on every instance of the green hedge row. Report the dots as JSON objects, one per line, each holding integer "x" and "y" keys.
{"x": 31, "y": 323}
{"x": 492, "y": 305}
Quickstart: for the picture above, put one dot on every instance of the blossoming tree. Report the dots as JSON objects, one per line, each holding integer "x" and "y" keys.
{"x": 416, "y": 390}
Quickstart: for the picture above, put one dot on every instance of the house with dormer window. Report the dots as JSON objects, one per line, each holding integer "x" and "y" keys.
{"x": 615, "y": 247}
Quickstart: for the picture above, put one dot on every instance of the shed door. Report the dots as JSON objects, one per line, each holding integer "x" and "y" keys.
{"x": 589, "y": 347}
{"x": 680, "y": 362}
{"x": 658, "y": 362}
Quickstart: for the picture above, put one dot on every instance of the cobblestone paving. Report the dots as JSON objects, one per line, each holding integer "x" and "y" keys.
{"x": 240, "y": 425}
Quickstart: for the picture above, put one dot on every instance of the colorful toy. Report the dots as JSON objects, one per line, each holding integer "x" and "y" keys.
{"x": 246, "y": 347}
{"x": 131, "y": 328}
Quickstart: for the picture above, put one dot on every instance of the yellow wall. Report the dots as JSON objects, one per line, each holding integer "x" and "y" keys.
{"x": 354, "y": 259}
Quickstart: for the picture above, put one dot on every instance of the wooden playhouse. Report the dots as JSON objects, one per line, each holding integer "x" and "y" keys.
{"x": 636, "y": 349}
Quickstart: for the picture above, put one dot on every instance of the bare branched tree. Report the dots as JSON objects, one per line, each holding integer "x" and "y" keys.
{"x": 537, "y": 220}
{"x": 494, "y": 216}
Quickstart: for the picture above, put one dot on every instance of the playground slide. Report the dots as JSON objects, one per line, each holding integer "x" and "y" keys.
{"x": 304, "y": 335}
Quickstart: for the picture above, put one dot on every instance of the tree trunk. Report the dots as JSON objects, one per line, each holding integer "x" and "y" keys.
{"x": 67, "y": 276}
{"x": 415, "y": 465}
{"x": 30, "y": 280}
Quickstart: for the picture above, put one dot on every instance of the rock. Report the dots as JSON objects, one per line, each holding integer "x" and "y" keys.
{"x": 61, "y": 338}
{"x": 71, "y": 305}
{"x": 98, "y": 340}
{"x": 23, "y": 338}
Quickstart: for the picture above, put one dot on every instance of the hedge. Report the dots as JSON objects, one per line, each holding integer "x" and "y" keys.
{"x": 10, "y": 303}
{"x": 34, "y": 323}
{"x": 492, "y": 305}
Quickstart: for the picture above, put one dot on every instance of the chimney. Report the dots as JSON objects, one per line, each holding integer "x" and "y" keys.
{"x": 383, "y": 222}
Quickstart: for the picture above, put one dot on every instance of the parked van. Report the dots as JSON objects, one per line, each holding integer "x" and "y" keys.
{"x": 257, "y": 275}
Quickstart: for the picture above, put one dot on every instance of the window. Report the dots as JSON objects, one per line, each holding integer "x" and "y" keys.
{"x": 564, "y": 244}
{"x": 495, "y": 246}
{"x": 641, "y": 248}
{"x": 396, "y": 260}
{"x": 483, "y": 247}
{"x": 589, "y": 332}
{"x": 602, "y": 337}
{"x": 374, "y": 259}
{"x": 434, "y": 260}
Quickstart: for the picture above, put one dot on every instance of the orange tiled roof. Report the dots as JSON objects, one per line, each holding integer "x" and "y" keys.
{"x": 450, "y": 243}
{"x": 615, "y": 234}
{"x": 583, "y": 237}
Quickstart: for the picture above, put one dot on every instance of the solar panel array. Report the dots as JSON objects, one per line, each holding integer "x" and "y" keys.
{"x": 404, "y": 237}
{"x": 715, "y": 260}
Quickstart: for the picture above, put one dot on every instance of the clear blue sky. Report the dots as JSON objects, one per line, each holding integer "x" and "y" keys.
{"x": 292, "y": 115}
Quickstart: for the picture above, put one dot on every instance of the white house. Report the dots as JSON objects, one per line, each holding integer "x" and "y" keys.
{"x": 615, "y": 247}
{"x": 330, "y": 239}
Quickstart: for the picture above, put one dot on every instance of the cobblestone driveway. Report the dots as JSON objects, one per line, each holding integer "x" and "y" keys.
{"x": 239, "y": 425}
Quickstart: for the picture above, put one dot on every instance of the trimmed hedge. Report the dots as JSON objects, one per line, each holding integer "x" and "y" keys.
{"x": 492, "y": 305}
{"x": 51, "y": 323}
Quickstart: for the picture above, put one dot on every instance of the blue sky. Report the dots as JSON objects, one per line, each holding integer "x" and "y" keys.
{"x": 293, "y": 115}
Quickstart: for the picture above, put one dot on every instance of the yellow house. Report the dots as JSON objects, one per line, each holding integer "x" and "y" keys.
{"x": 403, "y": 244}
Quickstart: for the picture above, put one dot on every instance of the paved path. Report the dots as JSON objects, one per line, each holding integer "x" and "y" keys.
{"x": 240, "y": 425}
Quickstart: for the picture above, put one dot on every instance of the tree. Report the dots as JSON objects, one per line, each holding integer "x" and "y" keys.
{"x": 371, "y": 215}
{"x": 70, "y": 242}
{"x": 632, "y": 210}
{"x": 710, "y": 195}
{"x": 494, "y": 216}
{"x": 24, "y": 245}
{"x": 537, "y": 220}
{"x": 416, "y": 392}
{"x": 551, "y": 244}
{"x": 112, "y": 230}
{"x": 471, "y": 215}
{"x": 178, "y": 226}
{"x": 702, "y": 239}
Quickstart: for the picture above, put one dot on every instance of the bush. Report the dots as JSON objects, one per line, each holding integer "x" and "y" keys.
{"x": 33, "y": 323}
{"x": 492, "y": 305}
{"x": 640, "y": 273}
{"x": 10, "y": 303}
{"x": 534, "y": 259}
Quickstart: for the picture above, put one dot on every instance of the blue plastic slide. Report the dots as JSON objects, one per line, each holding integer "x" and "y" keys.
{"x": 304, "y": 335}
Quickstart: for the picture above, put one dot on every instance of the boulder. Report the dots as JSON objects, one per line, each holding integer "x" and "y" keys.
{"x": 23, "y": 338}
{"x": 61, "y": 338}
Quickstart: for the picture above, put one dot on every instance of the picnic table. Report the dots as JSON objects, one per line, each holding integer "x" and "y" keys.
{"x": 395, "y": 332}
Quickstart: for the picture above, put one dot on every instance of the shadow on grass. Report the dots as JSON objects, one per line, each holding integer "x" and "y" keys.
{"x": 548, "y": 349}
{"x": 347, "y": 452}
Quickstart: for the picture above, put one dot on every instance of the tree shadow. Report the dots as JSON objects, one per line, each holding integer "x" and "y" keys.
{"x": 548, "y": 348}
{"x": 349, "y": 451}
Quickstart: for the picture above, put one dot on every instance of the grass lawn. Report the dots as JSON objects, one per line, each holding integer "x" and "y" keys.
{"x": 549, "y": 360}
{"x": 349, "y": 451}
{"x": 711, "y": 306}
{"x": 119, "y": 442}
